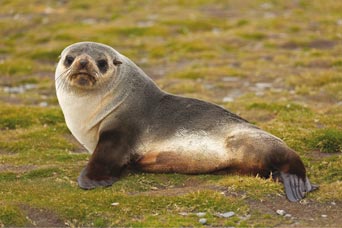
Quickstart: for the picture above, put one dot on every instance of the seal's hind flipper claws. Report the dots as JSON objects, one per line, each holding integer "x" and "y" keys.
{"x": 86, "y": 183}
{"x": 310, "y": 187}
{"x": 296, "y": 187}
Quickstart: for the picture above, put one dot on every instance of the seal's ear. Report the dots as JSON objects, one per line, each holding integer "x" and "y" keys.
{"x": 116, "y": 62}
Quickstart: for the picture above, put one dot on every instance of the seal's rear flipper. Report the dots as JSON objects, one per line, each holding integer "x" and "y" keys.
{"x": 296, "y": 187}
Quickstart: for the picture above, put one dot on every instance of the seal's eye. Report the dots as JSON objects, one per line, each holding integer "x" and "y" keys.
{"x": 102, "y": 65}
{"x": 68, "y": 60}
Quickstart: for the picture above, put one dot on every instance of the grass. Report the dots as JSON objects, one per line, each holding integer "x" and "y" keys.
{"x": 12, "y": 215}
{"x": 327, "y": 141}
{"x": 204, "y": 49}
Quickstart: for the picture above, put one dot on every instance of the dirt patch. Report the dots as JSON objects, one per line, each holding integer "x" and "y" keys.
{"x": 319, "y": 64}
{"x": 290, "y": 45}
{"x": 16, "y": 169}
{"x": 214, "y": 11}
{"x": 10, "y": 99}
{"x": 317, "y": 155}
{"x": 5, "y": 152}
{"x": 305, "y": 214}
{"x": 322, "y": 44}
{"x": 42, "y": 217}
{"x": 318, "y": 44}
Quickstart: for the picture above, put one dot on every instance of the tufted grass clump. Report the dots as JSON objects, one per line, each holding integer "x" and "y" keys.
{"x": 11, "y": 215}
{"x": 327, "y": 140}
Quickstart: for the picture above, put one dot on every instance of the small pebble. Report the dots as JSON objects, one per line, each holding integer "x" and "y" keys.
{"x": 183, "y": 213}
{"x": 19, "y": 89}
{"x": 333, "y": 203}
{"x": 339, "y": 22}
{"x": 200, "y": 214}
{"x": 230, "y": 79}
{"x": 227, "y": 214}
{"x": 288, "y": 216}
{"x": 281, "y": 212}
{"x": 324, "y": 216}
{"x": 266, "y": 5}
{"x": 43, "y": 104}
{"x": 227, "y": 99}
{"x": 202, "y": 221}
{"x": 115, "y": 204}
{"x": 263, "y": 86}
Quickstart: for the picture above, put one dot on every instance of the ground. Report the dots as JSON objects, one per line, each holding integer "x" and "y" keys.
{"x": 276, "y": 63}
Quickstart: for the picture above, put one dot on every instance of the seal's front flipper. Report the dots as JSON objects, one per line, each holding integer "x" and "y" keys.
{"x": 86, "y": 183}
{"x": 296, "y": 187}
{"x": 106, "y": 163}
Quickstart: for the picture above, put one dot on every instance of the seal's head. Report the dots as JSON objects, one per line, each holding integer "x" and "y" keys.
{"x": 86, "y": 66}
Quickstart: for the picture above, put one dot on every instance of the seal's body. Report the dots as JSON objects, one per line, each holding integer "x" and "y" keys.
{"x": 120, "y": 116}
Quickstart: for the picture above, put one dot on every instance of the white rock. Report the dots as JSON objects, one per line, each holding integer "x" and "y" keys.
{"x": 339, "y": 22}
{"x": 43, "y": 104}
{"x": 281, "y": 212}
{"x": 228, "y": 99}
{"x": 202, "y": 221}
{"x": 89, "y": 21}
{"x": 200, "y": 214}
{"x": 266, "y": 5}
{"x": 183, "y": 213}
{"x": 29, "y": 86}
{"x": 230, "y": 79}
{"x": 263, "y": 85}
{"x": 227, "y": 214}
{"x": 115, "y": 204}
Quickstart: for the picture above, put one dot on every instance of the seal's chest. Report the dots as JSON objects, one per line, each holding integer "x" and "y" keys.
{"x": 80, "y": 118}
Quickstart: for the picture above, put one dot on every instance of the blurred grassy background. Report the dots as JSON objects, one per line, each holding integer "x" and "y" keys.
{"x": 275, "y": 63}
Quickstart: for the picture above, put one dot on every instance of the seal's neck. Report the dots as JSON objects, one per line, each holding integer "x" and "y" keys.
{"x": 83, "y": 114}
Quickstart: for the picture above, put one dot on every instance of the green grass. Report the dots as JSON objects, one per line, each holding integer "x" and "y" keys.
{"x": 12, "y": 215}
{"x": 204, "y": 49}
{"x": 13, "y": 117}
{"x": 327, "y": 141}
{"x": 16, "y": 67}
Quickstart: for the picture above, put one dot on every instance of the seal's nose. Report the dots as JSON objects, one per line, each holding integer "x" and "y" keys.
{"x": 83, "y": 63}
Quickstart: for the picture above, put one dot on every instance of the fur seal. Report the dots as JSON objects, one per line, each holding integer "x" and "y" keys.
{"x": 122, "y": 118}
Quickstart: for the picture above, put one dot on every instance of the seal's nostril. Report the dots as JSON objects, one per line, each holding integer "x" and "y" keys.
{"x": 83, "y": 62}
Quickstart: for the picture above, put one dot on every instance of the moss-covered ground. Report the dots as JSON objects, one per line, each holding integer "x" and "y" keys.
{"x": 276, "y": 63}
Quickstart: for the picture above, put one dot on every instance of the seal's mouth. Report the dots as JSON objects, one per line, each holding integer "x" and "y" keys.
{"x": 82, "y": 79}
